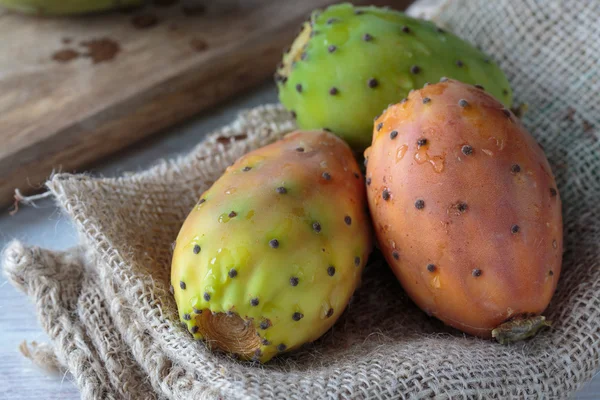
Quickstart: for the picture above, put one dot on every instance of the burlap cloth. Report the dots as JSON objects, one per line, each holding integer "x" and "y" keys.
{"x": 113, "y": 324}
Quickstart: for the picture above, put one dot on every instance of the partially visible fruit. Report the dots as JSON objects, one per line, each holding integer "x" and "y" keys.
{"x": 466, "y": 210}
{"x": 348, "y": 63}
{"x": 271, "y": 254}
{"x": 67, "y": 7}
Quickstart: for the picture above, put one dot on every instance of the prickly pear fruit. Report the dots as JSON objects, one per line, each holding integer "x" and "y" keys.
{"x": 271, "y": 254}
{"x": 349, "y": 63}
{"x": 66, "y": 7}
{"x": 466, "y": 210}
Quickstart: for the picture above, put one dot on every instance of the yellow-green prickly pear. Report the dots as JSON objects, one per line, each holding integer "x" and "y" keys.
{"x": 273, "y": 251}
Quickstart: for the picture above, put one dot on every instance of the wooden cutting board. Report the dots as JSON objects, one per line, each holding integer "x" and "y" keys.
{"x": 73, "y": 90}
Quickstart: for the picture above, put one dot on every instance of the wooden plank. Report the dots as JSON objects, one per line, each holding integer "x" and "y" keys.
{"x": 75, "y": 90}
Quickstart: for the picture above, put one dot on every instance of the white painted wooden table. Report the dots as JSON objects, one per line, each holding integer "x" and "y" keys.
{"x": 46, "y": 227}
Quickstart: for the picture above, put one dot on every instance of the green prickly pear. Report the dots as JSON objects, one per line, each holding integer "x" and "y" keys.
{"x": 271, "y": 254}
{"x": 466, "y": 210}
{"x": 349, "y": 63}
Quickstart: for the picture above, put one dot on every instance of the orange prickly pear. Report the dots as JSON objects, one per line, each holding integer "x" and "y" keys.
{"x": 466, "y": 210}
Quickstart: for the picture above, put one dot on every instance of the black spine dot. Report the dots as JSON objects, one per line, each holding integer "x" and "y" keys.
{"x": 421, "y": 142}
{"x": 476, "y": 272}
{"x": 281, "y": 190}
{"x": 515, "y": 168}
{"x": 440, "y": 30}
{"x": 357, "y": 175}
{"x": 415, "y": 69}
{"x": 372, "y": 83}
{"x": 294, "y": 115}
{"x": 232, "y": 273}
{"x": 299, "y": 88}
{"x": 201, "y": 201}
{"x": 246, "y": 169}
{"x": 326, "y": 176}
{"x": 316, "y": 227}
{"x": 300, "y": 149}
{"x": 297, "y": 316}
{"x": 294, "y": 281}
{"x": 467, "y": 150}
{"x": 487, "y": 60}
{"x": 396, "y": 255}
{"x": 368, "y": 181}
{"x": 514, "y": 229}
{"x": 426, "y": 100}
{"x": 333, "y": 91}
{"x": 357, "y": 261}
{"x": 479, "y": 87}
{"x": 254, "y": 302}
{"x": 196, "y": 311}
{"x": 463, "y": 103}
{"x": 329, "y": 313}
{"x": 367, "y": 37}
{"x": 430, "y": 267}
{"x": 257, "y": 353}
{"x": 303, "y": 55}
{"x": 459, "y": 63}
{"x": 182, "y": 285}
{"x": 197, "y": 249}
{"x": 232, "y": 214}
{"x": 327, "y": 130}
{"x": 379, "y": 126}
{"x": 393, "y": 134}
{"x": 194, "y": 329}
{"x": 265, "y": 324}
{"x": 331, "y": 270}
{"x": 266, "y": 342}
{"x": 331, "y": 21}
{"x": 274, "y": 243}
{"x": 420, "y": 204}
{"x": 206, "y": 296}
{"x": 332, "y": 48}
{"x": 550, "y": 272}
{"x": 462, "y": 207}
{"x": 553, "y": 192}
{"x": 405, "y": 29}
{"x": 506, "y": 112}
{"x": 282, "y": 347}
{"x": 348, "y": 220}
{"x": 505, "y": 92}
{"x": 385, "y": 194}
{"x": 187, "y": 317}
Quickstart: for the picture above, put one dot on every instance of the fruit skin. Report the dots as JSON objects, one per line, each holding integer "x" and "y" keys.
{"x": 472, "y": 224}
{"x": 67, "y": 7}
{"x": 379, "y": 55}
{"x": 306, "y": 192}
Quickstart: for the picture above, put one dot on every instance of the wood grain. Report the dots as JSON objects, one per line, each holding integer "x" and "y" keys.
{"x": 75, "y": 90}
